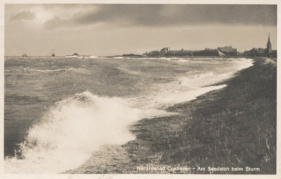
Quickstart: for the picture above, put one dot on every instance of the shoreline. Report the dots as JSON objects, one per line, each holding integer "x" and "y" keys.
{"x": 195, "y": 140}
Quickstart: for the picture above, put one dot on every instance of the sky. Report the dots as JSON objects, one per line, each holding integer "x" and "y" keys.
{"x": 116, "y": 29}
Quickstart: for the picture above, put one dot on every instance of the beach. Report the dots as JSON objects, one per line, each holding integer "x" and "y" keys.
{"x": 229, "y": 130}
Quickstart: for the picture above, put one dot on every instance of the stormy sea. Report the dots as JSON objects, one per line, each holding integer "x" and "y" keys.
{"x": 58, "y": 111}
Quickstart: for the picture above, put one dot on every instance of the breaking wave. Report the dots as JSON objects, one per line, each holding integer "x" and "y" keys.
{"x": 71, "y": 131}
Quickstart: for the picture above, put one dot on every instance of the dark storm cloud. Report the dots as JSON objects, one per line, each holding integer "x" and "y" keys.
{"x": 167, "y": 15}
{"x": 23, "y": 15}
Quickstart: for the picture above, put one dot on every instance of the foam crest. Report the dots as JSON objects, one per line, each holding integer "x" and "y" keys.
{"x": 243, "y": 63}
{"x": 210, "y": 78}
{"x": 71, "y": 131}
{"x": 182, "y": 60}
{"x": 190, "y": 87}
{"x": 184, "y": 96}
{"x": 204, "y": 79}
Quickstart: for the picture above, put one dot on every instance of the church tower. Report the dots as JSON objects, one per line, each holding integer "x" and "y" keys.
{"x": 268, "y": 49}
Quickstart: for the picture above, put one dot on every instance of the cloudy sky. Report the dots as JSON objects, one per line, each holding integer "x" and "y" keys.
{"x": 101, "y": 29}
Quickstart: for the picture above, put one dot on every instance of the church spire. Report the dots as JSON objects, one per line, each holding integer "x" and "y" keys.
{"x": 268, "y": 38}
{"x": 268, "y": 49}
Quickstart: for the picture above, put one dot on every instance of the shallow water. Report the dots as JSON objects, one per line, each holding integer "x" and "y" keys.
{"x": 57, "y": 110}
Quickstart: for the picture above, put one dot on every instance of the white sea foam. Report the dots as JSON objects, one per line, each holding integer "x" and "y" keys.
{"x": 71, "y": 131}
{"x": 204, "y": 79}
{"x": 182, "y": 60}
{"x": 184, "y": 96}
{"x": 188, "y": 88}
{"x": 77, "y": 70}
{"x": 93, "y": 56}
{"x": 243, "y": 63}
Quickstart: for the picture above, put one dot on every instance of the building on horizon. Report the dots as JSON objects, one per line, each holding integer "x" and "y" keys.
{"x": 262, "y": 52}
{"x": 228, "y": 50}
{"x": 220, "y": 51}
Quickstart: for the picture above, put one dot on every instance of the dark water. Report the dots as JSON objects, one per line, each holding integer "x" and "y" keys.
{"x": 34, "y": 85}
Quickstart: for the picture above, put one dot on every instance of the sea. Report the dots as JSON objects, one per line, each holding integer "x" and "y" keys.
{"x": 58, "y": 111}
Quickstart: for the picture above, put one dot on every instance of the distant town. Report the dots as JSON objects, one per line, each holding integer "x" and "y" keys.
{"x": 220, "y": 51}
{"x": 226, "y": 51}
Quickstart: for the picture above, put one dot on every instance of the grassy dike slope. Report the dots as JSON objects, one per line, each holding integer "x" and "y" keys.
{"x": 231, "y": 127}
{"x": 235, "y": 129}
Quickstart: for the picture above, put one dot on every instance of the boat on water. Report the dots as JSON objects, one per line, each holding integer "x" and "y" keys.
{"x": 24, "y": 55}
{"x": 53, "y": 54}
